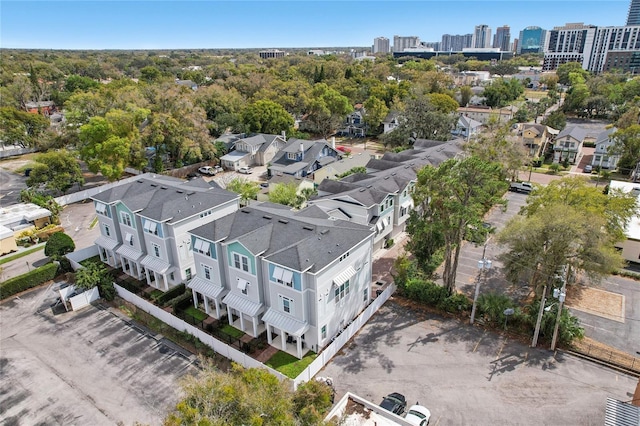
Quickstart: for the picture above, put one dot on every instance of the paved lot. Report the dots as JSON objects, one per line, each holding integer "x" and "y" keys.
{"x": 82, "y": 368}
{"x": 466, "y": 377}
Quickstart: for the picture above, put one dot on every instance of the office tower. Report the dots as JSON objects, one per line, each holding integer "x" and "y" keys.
{"x": 570, "y": 43}
{"x": 455, "y": 43}
{"x": 381, "y": 45}
{"x": 502, "y": 39}
{"x": 531, "y": 40}
{"x": 481, "y": 37}
{"x": 400, "y": 43}
{"x": 271, "y": 53}
{"x": 633, "y": 18}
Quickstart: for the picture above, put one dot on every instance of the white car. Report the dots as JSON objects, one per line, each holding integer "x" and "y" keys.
{"x": 245, "y": 170}
{"x": 418, "y": 415}
{"x": 207, "y": 170}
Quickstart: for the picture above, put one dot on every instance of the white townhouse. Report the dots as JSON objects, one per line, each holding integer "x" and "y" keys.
{"x": 144, "y": 225}
{"x": 602, "y": 157}
{"x": 300, "y": 276}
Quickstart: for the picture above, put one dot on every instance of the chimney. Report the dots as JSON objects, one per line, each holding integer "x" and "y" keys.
{"x": 301, "y": 147}
{"x": 284, "y": 135}
{"x": 333, "y": 142}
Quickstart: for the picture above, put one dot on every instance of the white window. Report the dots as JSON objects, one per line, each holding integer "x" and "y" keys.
{"x": 107, "y": 230}
{"x": 365, "y": 295}
{"x": 202, "y": 247}
{"x": 129, "y": 238}
{"x": 151, "y": 227}
{"x": 277, "y": 274}
{"x": 242, "y": 285}
{"x": 287, "y": 278}
{"x": 344, "y": 256}
{"x": 187, "y": 272}
{"x": 101, "y": 208}
{"x": 207, "y": 271}
{"x": 287, "y": 304}
{"x": 125, "y": 218}
{"x": 323, "y": 332}
{"x": 156, "y": 249}
{"x": 341, "y": 291}
{"x": 241, "y": 262}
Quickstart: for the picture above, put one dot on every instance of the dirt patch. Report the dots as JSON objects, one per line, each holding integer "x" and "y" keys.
{"x": 598, "y": 302}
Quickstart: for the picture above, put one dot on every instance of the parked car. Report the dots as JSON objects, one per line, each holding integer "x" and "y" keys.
{"x": 218, "y": 168}
{"x": 207, "y": 170}
{"x": 245, "y": 170}
{"x": 524, "y": 187}
{"x": 588, "y": 168}
{"x": 394, "y": 402}
{"x": 418, "y": 415}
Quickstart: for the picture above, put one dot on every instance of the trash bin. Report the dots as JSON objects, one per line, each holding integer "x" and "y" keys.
{"x": 27, "y": 172}
{"x": 379, "y": 292}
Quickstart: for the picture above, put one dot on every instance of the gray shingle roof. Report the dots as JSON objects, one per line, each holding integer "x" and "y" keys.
{"x": 166, "y": 200}
{"x": 300, "y": 241}
{"x": 575, "y": 132}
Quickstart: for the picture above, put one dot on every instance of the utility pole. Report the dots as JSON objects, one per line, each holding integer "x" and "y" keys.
{"x": 534, "y": 342}
{"x": 482, "y": 265}
{"x": 561, "y": 296}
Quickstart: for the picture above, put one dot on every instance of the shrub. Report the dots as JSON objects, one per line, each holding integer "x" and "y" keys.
{"x": 457, "y": 302}
{"x": 425, "y": 291}
{"x": 65, "y": 265}
{"x": 493, "y": 305}
{"x": 172, "y": 293}
{"x": 29, "y": 280}
{"x": 181, "y": 301}
{"x": 58, "y": 245}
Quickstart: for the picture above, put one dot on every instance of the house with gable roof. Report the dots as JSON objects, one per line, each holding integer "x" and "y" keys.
{"x": 537, "y": 137}
{"x": 301, "y": 158}
{"x": 602, "y": 157}
{"x": 299, "y": 276}
{"x": 568, "y": 144}
{"x": 391, "y": 121}
{"x": 144, "y": 224}
{"x": 256, "y": 150}
{"x": 467, "y": 127}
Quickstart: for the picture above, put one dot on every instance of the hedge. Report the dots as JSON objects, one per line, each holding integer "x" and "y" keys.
{"x": 29, "y": 280}
{"x": 182, "y": 300}
{"x": 170, "y": 294}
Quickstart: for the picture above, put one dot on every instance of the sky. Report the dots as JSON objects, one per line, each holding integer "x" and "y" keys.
{"x": 150, "y": 24}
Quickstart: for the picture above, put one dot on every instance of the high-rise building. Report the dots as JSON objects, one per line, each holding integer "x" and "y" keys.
{"x": 615, "y": 48}
{"x": 531, "y": 40}
{"x": 570, "y": 43}
{"x": 400, "y": 43}
{"x": 633, "y": 18}
{"x": 381, "y": 45}
{"x": 502, "y": 39}
{"x": 455, "y": 43}
{"x": 271, "y": 53}
{"x": 481, "y": 37}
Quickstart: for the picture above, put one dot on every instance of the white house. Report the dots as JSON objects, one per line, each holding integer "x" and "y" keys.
{"x": 299, "y": 276}
{"x": 144, "y": 224}
{"x": 602, "y": 157}
{"x": 631, "y": 246}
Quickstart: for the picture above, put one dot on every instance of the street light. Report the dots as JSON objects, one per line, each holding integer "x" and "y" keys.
{"x": 483, "y": 265}
{"x": 559, "y": 294}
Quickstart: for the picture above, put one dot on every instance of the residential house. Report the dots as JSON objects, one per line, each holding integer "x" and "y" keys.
{"x": 355, "y": 126}
{"x": 337, "y": 168}
{"x": 568, "y": 144}
{"x": 45, "y": 108}
{"x": 17, "y": 218}
{"x": 602, "y": 157}
{"x": 467, "y": 127}
{"x": 484, "y": 114}
{"x": 144, "y": 224}
{"x": 630, "y": 248}
{"x": 391, "y": 121}
{"x": 187, "y": 83}
{"x": 536, "y": 138}
{"x": 301, "y": 158}
{"x": 299, "y": 276}
{"x": 256, "y": 150}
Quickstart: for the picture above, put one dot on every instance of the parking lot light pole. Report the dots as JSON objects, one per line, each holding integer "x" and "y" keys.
{"x": 483, "y": 265}
{"x": 560, "y": 295}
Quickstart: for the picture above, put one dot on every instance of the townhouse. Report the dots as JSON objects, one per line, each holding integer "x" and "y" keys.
{"x": 602, "y": 156}
{"x": 300, "y": 276}
{"x": 568, "y": 144}
{"x": 301, "y": 158}
{"x": 256, "y": 150}
{"x": 144, "y": 224}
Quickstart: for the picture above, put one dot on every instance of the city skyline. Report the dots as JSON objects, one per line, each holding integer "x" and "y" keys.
{"x": 276, "y": 24}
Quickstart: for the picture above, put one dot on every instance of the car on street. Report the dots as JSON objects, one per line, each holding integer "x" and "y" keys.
{"x": 207, "y": 170}
{"x": 394, "y": 402}
{"x": 588, "y": 168}
{"x": 418, "y": 415}
{"x": 245, "y": 170}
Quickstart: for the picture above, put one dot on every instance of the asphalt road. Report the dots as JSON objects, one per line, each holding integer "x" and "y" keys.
{"x": 468, "y": 377}
{"x": 10, "y": 186}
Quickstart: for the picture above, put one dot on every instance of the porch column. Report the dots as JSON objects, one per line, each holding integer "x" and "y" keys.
{"x": 283, "y": 340}
{"x": 165, "y": 281}
{"x": 215, "y": 301}
{"x": 195, "y": 299}
{"x": 269, "y": 339}
{"x": 299, "y": 346}
{"x": 206, "y": 304}
{"x": 255, "y": 326}
{"x": 241, "y": 321}
{"x": 229, "y": 316}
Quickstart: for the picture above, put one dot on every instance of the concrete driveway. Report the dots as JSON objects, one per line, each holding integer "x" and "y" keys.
{"x": 90, "y": 367}
{"x": 468, "y": 377}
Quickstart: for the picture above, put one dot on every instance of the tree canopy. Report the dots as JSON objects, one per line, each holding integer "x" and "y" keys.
{"x": 55, "y": 171}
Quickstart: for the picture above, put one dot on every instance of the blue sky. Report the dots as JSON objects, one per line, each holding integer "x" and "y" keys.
{"x": 303, "y": 23}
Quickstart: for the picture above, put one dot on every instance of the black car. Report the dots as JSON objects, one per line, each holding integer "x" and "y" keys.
{"x": 394, "y": 402}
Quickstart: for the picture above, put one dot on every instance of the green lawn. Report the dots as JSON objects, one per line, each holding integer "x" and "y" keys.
{"x": 11, "y": 257}
{"x": 155, "y": 294}
{"x": 289, "y": 365}
{"x": 196, "y": 313}
{"x": 232, "y": 331}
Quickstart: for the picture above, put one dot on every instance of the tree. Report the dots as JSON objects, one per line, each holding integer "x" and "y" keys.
{"x": 375, "y": 111}
{"x": 247, "y": 397}
{"x": 19, "y": 127}
{"x": 248, "y": 190}
{"x": 503, "y": 91}
{"x": 96, "y": 274}
{"x": 497, "y": 146}
{"x": 78, "y": 82}
{"x": 627, "y": 146}
{"x": 286, "y": 194}
{"x": 564, "y": 70}
{"x": 267, "y": 117}
{"x": 327, "y": 108}
{"x": 451, "y": 198}
{"x": 556, "y": 120}
{"x": 465, "y": 95}
{"x": 56, "y": 171}
{"x": 567, "y": 223}
{"x": 576, "y": 99}
{"x": 58, "y": 245}
{"x": 443, "y": 103}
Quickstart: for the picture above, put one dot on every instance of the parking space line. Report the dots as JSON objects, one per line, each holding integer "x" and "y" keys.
{"x": 478, "y": 344}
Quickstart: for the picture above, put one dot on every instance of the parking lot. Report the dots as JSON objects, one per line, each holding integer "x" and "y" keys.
{"x": 90, "y": 367}
{"x": 465, "y": 376}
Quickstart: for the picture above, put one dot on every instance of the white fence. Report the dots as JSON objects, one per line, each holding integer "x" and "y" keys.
{"x": 330, "y": 351}
{"x": 175, "y": 322}
{"x": 235, "y": 355}
{"x": 79, "y": 255}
